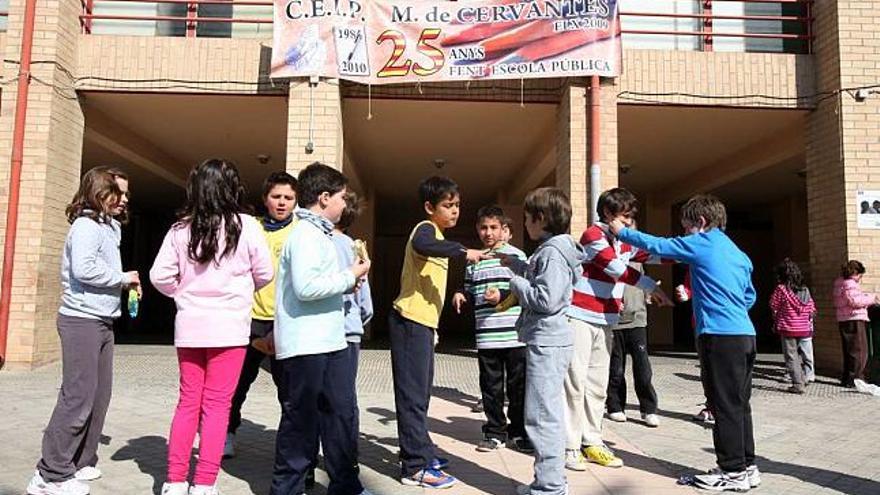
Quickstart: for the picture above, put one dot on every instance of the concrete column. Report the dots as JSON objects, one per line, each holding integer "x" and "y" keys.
{"x": 50, "y": 173}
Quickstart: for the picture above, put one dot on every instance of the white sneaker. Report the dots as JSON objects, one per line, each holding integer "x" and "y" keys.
{"x": 204, "y": 490}
{"x": 229, "y": 446}
{"x": 181, "y": 488}
{"x": 88, "y": 473}
{"x": 366, "y": 492}
{"x": 754, "y": 476}
{"x": 39, "y": 486}
{"x": 651, "y": 420}
{"x": 618, "y": 416}
{"x": 717, "y": 480}
{"x": 575, "y": 461}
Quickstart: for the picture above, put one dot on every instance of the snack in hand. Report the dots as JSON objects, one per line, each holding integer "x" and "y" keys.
{"x": 133, "y": 303}
{"x": 360, "y": 250}
{"x": 508, "y": 302}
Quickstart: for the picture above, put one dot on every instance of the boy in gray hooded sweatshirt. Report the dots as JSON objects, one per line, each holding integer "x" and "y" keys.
{"x": 544, "y": 288}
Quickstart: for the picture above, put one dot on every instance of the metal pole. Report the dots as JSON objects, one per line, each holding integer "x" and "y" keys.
{"x": 21, "y": 103}
{"x": 595, "y": 107}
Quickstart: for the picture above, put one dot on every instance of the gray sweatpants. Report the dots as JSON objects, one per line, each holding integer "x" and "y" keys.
{"x": 70, "y": 441}
{"x": 545, "y": 415}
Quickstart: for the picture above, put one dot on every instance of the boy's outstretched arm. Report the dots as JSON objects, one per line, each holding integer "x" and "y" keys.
{"x": 426, "y": 243}
{"x": 677, "y": 248}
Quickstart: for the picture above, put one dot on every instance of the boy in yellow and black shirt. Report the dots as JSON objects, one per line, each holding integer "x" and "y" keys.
{"x": 412, "y": 324}
{"x": 279, "y": 198}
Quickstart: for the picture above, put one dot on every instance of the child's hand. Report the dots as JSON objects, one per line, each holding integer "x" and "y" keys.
{"x": 458, "y": 300}
{"x": 134, "y": 280}
{"x": 616, "y": 226}
{"x": 681, "y": 293}
{"x": 492, "y": 296}
{"x": 475, "y": 255}
{"x": 360, "y": 268}
{"x": 658, "y": 297}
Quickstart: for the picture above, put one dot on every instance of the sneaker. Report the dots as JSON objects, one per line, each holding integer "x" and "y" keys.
{"x": 39, "y": 486}
{"x": 705, "y": 416}
{"x": 754, "y": 476}
{"x": 575, "y": 461}
{"x": 796, "y": 389}
{"x": 204, "y": 490}
{"x": 618, "y": 416}
{"x": 720, "y": 481}
{"x": 602, "y": 456}
{"x": 181, "y": 488}
{"x": 478, "y": 407}
{"x": 429, "y": 478}
{"x": 439, "y": 463}
{"x": 651, "y": 420}
{"x": 527, "y": 490}
{"x": 366, "y": 492}
{"x": 229, "y": 446}
{"x": 489, "y": 444}
{"x": 522, "y": 444}
{"x": 88, "y": 473}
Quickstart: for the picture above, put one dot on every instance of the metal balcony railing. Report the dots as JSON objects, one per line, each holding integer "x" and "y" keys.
{"x": 706, "y": 25}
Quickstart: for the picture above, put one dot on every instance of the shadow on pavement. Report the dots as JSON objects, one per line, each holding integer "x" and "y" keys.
{"x": 842, "y": 482}
{"x": 150, "y": 453}
{"x": 465, "y": 430}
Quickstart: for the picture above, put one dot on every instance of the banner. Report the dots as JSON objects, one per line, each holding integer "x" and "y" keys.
{"x": 382, "y": 42}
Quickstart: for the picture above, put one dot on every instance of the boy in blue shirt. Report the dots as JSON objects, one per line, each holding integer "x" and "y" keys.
{"x": 721, "y": 277}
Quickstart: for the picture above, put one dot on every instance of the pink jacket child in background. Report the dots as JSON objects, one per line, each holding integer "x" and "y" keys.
{"x": 793, "y": 309}
{"x": 851, "y": 306}
{"x": 211, "y": 262}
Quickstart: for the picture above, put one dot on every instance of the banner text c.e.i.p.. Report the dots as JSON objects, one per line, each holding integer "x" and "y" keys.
{"x": 303, "y": 9}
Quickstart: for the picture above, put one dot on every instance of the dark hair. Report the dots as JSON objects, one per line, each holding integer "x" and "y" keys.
{"x": 435, "y": 189}
{"x": 506, "y": 221}
{"x": 617, "y": 201}
{"x": 865, "y": 206}
{"x": 491, "y": 211}
{"x": 852, "y": 267}
{"x": 95, "y": 187}
{"x": 709, "y": 208}
{"x": 351, "y": 212}
{"x": 214, "y": 198}
{"x": 315, "y": 180}
{"x": 552, "y": 205}
{"x": 118, "y": 174}
{"x": 788, "y": 273}
{"x": 276, "y": 178}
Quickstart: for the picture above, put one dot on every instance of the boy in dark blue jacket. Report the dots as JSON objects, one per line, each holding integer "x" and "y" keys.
{"x": 721, "y": 276}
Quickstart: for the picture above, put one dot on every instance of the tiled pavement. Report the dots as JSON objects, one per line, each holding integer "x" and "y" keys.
{"x": 825, "y": 442}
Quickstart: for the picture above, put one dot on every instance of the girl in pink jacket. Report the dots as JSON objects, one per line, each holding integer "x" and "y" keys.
{"x": 851, "y": 305}
{"x": 793, "y": 309}
{"x": 211, "y": 262}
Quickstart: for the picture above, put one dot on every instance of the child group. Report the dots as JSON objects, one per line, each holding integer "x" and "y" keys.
{"x": 291, "y": 285}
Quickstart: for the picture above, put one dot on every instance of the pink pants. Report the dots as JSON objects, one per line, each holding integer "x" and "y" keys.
{"x": 208, "y": 377}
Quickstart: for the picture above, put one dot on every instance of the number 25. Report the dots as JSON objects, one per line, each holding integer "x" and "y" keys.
{"x": 395, "y": 68}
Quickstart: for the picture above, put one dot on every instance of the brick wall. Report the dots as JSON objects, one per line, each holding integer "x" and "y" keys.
{"x": 53, "y": 146}
{"x": 843, "y": 156}
{"x": 324, "y": 119}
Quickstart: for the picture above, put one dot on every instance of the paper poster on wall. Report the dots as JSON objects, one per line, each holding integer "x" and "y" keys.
{"x": 868, "y": 208}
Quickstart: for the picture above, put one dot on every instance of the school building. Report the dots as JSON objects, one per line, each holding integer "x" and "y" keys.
{"x": 773, "y": 105}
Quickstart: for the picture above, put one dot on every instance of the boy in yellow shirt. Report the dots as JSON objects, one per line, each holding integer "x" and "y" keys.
{"x": 412, "y": 326}
{"x": 279, "y": 198}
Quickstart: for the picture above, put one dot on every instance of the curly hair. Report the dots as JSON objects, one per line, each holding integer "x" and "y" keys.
{"x": 789, "y": 274}
{"x": 96, "y": 188}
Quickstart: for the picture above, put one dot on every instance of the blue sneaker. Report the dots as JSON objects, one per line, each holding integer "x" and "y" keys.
{"x": 439, "y": 464}
{"x": 429, "y": 478}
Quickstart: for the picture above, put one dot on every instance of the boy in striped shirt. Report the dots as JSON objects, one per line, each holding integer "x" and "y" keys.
{"x": 595, "y": 309}
{"x": 499, "y": 351}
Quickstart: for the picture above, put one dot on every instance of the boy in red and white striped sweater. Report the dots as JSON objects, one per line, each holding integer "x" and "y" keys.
{"x": 595, "y": 309}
